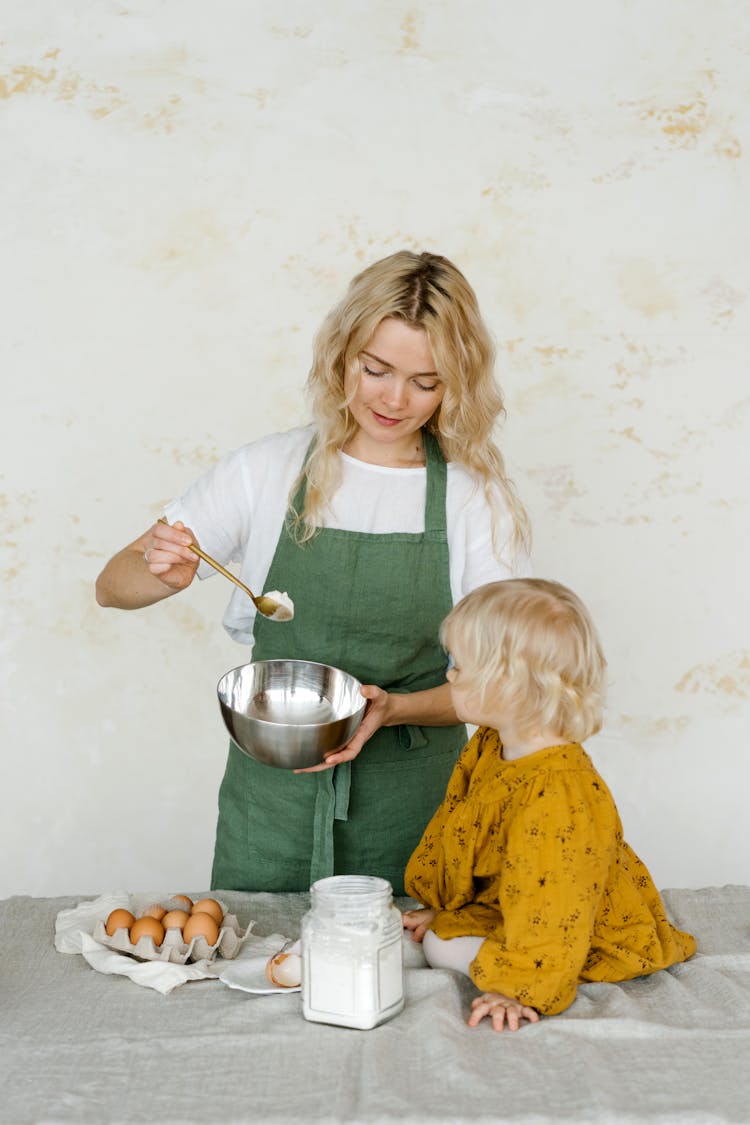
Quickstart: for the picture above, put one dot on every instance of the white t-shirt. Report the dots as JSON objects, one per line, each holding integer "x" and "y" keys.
{"x": 236, "y": 512}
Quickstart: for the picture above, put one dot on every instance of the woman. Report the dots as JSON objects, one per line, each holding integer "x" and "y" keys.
{"x": 376, "y": 520}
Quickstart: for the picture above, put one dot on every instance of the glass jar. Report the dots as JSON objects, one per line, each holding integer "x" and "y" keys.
{"x": 352, "y": 965}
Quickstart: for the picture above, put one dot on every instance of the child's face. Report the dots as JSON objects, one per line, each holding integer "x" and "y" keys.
{"x": 466, "y": 700}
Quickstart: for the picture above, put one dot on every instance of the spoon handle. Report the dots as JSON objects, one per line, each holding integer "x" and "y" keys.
{"x": 221, "y": 569}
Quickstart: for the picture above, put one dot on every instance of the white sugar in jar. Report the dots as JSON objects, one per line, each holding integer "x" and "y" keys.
{"x": 352, "y": 966}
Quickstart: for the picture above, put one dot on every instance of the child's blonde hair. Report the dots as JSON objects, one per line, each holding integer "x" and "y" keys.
{"x": 532, "y": 644}
{"x": 425, "y": 291}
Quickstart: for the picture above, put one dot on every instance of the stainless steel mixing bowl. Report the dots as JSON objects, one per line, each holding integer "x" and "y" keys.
{"x": 290, "y": 713}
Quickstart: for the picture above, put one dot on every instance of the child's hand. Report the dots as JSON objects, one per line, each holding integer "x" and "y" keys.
{"x": 418, "y": 921}
{"x": 502, "y": 1010}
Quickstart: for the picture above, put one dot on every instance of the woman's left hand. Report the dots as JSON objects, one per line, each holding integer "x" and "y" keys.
{"x": 376, "y": 716}
{"x": 504, "y": 1011}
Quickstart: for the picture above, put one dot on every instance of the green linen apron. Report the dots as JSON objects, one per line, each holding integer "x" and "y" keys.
{"x": 372, "y": 605}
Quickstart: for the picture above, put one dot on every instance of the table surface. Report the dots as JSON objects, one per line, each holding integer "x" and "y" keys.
{"x": 80, "y": 1046}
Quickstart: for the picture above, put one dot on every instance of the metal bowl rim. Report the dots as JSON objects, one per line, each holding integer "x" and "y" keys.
{"x": 297, "y": 726}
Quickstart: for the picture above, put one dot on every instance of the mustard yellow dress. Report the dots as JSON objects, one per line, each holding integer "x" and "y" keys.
{"x": 529, "y": 854}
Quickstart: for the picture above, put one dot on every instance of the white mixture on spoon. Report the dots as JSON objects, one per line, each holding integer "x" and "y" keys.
{"x": 284, "y": 610}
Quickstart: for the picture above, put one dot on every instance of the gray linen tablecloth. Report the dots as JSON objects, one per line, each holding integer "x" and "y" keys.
{"x": 80, "y": 1046}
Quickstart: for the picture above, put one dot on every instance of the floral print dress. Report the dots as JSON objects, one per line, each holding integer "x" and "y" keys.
{"x": 529, "y": 854}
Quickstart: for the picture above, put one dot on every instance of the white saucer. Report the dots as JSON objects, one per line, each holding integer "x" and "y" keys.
{"x": 248, "y": 970}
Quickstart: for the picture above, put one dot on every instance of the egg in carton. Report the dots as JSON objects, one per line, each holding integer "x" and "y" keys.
{"x": 173, "y": 947}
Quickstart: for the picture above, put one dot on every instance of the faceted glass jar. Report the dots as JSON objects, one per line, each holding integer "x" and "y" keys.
{"x": 352, "y": 965}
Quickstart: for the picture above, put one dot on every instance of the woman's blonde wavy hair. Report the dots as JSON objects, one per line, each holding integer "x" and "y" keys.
{"x": 531, "y": 644}
{"x": 425, "y": 291}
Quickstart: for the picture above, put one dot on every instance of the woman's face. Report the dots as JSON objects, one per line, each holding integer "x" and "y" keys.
{"x": 398, "y": 392}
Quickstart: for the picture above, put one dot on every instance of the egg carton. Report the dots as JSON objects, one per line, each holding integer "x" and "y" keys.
{"x": 173, "y": 948}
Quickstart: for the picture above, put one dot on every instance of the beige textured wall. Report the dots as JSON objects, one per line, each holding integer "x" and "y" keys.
{"x": 186, "y": 187}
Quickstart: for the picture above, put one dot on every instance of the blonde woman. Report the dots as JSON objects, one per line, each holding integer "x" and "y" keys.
{"x": 376, "y": 518}
{"x": 527, "y": 884}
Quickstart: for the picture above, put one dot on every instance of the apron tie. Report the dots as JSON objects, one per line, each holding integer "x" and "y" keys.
{"x": 321, "y": 859}
{"x": 411, "y": 737}
{"x": 331, "y": 803}
{"x": 342, "y": 783}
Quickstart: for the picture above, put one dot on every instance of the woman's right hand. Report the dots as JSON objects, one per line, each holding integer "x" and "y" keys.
{"x": 168, "y": 556}
{"x": 155, "y": 566}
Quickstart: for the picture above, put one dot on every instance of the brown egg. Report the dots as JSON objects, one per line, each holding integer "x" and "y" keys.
{"x": 284, "y": 970}
{"x": 181, "y": 902}
{"x": 201, "y": 925}
{"x": 119, "y": 920}
{"x": 209, "y": 906}
{"x": 175, "y": 919}
{"x": 147, "y": 927}
{"x": 154, "y": 911}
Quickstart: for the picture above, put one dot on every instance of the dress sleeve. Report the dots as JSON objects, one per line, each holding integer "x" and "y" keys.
{"x": 424, "y": 878}
{"x": 562, "y": 839}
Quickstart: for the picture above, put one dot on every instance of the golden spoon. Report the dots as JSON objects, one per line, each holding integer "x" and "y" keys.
{"x": 269, "y": 607}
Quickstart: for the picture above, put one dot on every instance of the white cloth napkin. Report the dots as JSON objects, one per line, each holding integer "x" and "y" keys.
{"x": 72, "y": 924}
{"x": 73, "y": 934}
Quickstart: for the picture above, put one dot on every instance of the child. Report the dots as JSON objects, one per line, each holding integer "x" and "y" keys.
{"x": 527, "y": 883}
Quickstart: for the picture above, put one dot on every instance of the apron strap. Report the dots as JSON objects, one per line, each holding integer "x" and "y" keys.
{"x": 300, "y": 495}
{"x": 437, "y": 477}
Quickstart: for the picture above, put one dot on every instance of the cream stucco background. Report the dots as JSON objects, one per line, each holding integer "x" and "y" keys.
{"x": 187, "y": 187}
